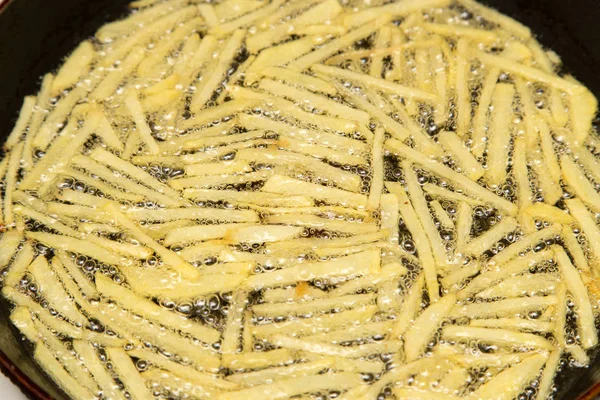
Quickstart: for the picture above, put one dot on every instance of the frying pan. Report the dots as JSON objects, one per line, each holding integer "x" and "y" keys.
{"x": 35, "y": 35}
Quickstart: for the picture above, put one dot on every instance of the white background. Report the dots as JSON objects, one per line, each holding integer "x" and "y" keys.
{"x": 7, "y": 390}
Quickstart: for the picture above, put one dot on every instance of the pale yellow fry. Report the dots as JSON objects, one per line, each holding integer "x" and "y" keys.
{"x": 576, "y": 180}
{"x": 197, "y": 233}
{"x": 299, "y": 79}
{"x": 170, "y": 258}
{"x": 257, "y": 360}
{"x": 455, "y": 146}
{"x": 458, "y": 276}
{"x": 75, "y": 245}
{"x": 379, "y": 83}
{"x": 480, "y": 124}
{"x": 135, "y": 108}
{"x": 335, "y": 350}
{"x": 463, "y": 69}
{"x": 87, "y": 354}
{"x": 66, "y": 357}
{"x": 550, "y": 189}
{"x": 185, "y": 371}
{"x": 109, "y": 159}
{"x": 233, "y": 326}
{"x": 530, "y": 73}
{"x": 419, "y": 204}
{"x": 547, "y": 379}
{"x": 308, "y": 307}
{"x": 107, "y": 86}
{"x": 419, "y": 235}
{"x": 482, "y": 243}
{"x": 574, "y": 249}
{"x": 289, "y": 109}
{"x": 464, "y": 221}
{"x": 254, "y": 378}
{"x": 14, "y": 163}
{"x": 194, "y": 213}
{"x": 106, "y": 189}
{"x": 515, "y": 267}
{"x": 55, "y": 119}
{"x": 443, "y": 193}
{"x": 504, "y": 307}
{"x": 585, "y": 319}
{"x": 426, "y": 324}
{"x": 458, "y": 179}
{"x": 289, "y": 186}
{"x": 246, "y": 19}
{"x": 262, "y": 233}
{"x": 396, "y": 9}
{"x": 441, "y": 215}
{"x": 583, "y": 108}
{"x": 549, "y": 213}
{"x": 316, "y": 222}
{"x": 47, "y": 361}
{"x": 524, "y": 285}
{"x": 169, "y": 341}
{"x": 148, "y": 309}
{"x": 59, "y": 153}
{"x": 510, "y": 382}
{"x": 23, "y": 121}
{"x": 207, "y": 87}
{"x": 128, "y": 374}
{"x": 257, "y": 198}
{"x": 343, "y": 179}
{"x": 514, "y": 323}
{"x": 333, "y": 46}
{"x": 587, "y": 224}
{"x": 20, "y": 263}
{"x": 53, "y": 291}
{"x": 499, "y": 142}
{"x": 409, "y": 310}
{"x": 161, "y": 282}
{"x": 389, "y": 211}
{"x": 524, "y": 244}
{"x": 291, "y": 387}
{"x": 220, "y": 180}
{"x": 499, "y": 337}
{"x": 311, "y": 100}
{"x": 9, "y": 245}
{"x": 278, "y": 55}
{"x": 353, "y": 265}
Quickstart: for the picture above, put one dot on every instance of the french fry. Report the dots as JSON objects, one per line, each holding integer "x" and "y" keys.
{"x": 255, "y": 378}
{"x": 199, "y": 233}
{"x": 510, "y": 382}
{"x": 480, "y": 124}
{"x": 549, "y": 213}
{"x": 502, "y": 103}
{"x": 504, "y": 307}
{"x": 464, "y": 221}
{"x": 246, "y": 19}
{"x": 66, "y": 357}
{"x": 577, "y": 181}
{"x": 218, "y": 180}
{"x": 25, "y": 114}
{"x": 282, "y": 185}
{"x": 148, "y": 309}
{"x": 299, "y": 79}
{"x": 410, "y": 308}
{"x": 587, "y": 224}
{"x": 19, "y": 265}
{"x": 499, "y": 337}
{"x": 513, "y": 323}
{"x": 382, "y": 84}
{"x": 527, "y": 242}
{"x": 529, "y": 284}
{"x": 257, "y": 360}
{"x": 515, "y": 267}
{"x": 53, "y": 291}
{"x": 334, "y": 350}
{"x": 458, "y": 179}
{"x": 87, "y": 354}
{"x": 550, "y": 369}
{"x": 128, "y": 374}
{"x": 550, "y": 189}
{"x": 14, "y": 163}
{"x": 194, "y": 213}
{"x": 459, "y": 276}
{"x": 483, "y": 242}
{"x": 574, "y": 249}
{"x": 389, "y": 216}
{"x": 583, "y": 109}
{"x": 585, "y": 320}
{"x": 309, "y": 307}
{"x": 396, "y": 9}
{"x": 419, "y": 236}
{"x": 425, "y": 325}
{"x": 314, "y": 101}
{"x": 290, "y": 387}
{"x": 452, "y": 143}
{"x": 158, "y": 282}
{"x": 462, "y": 87}
{"x": 311, "y": 221}
{"x": 353, "y": 333}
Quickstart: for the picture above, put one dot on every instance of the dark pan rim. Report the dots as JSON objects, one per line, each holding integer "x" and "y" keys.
{"x": 34, "y": 392}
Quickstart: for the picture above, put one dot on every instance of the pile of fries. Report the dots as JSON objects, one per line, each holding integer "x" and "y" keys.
{"x": 257, "y": 199}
